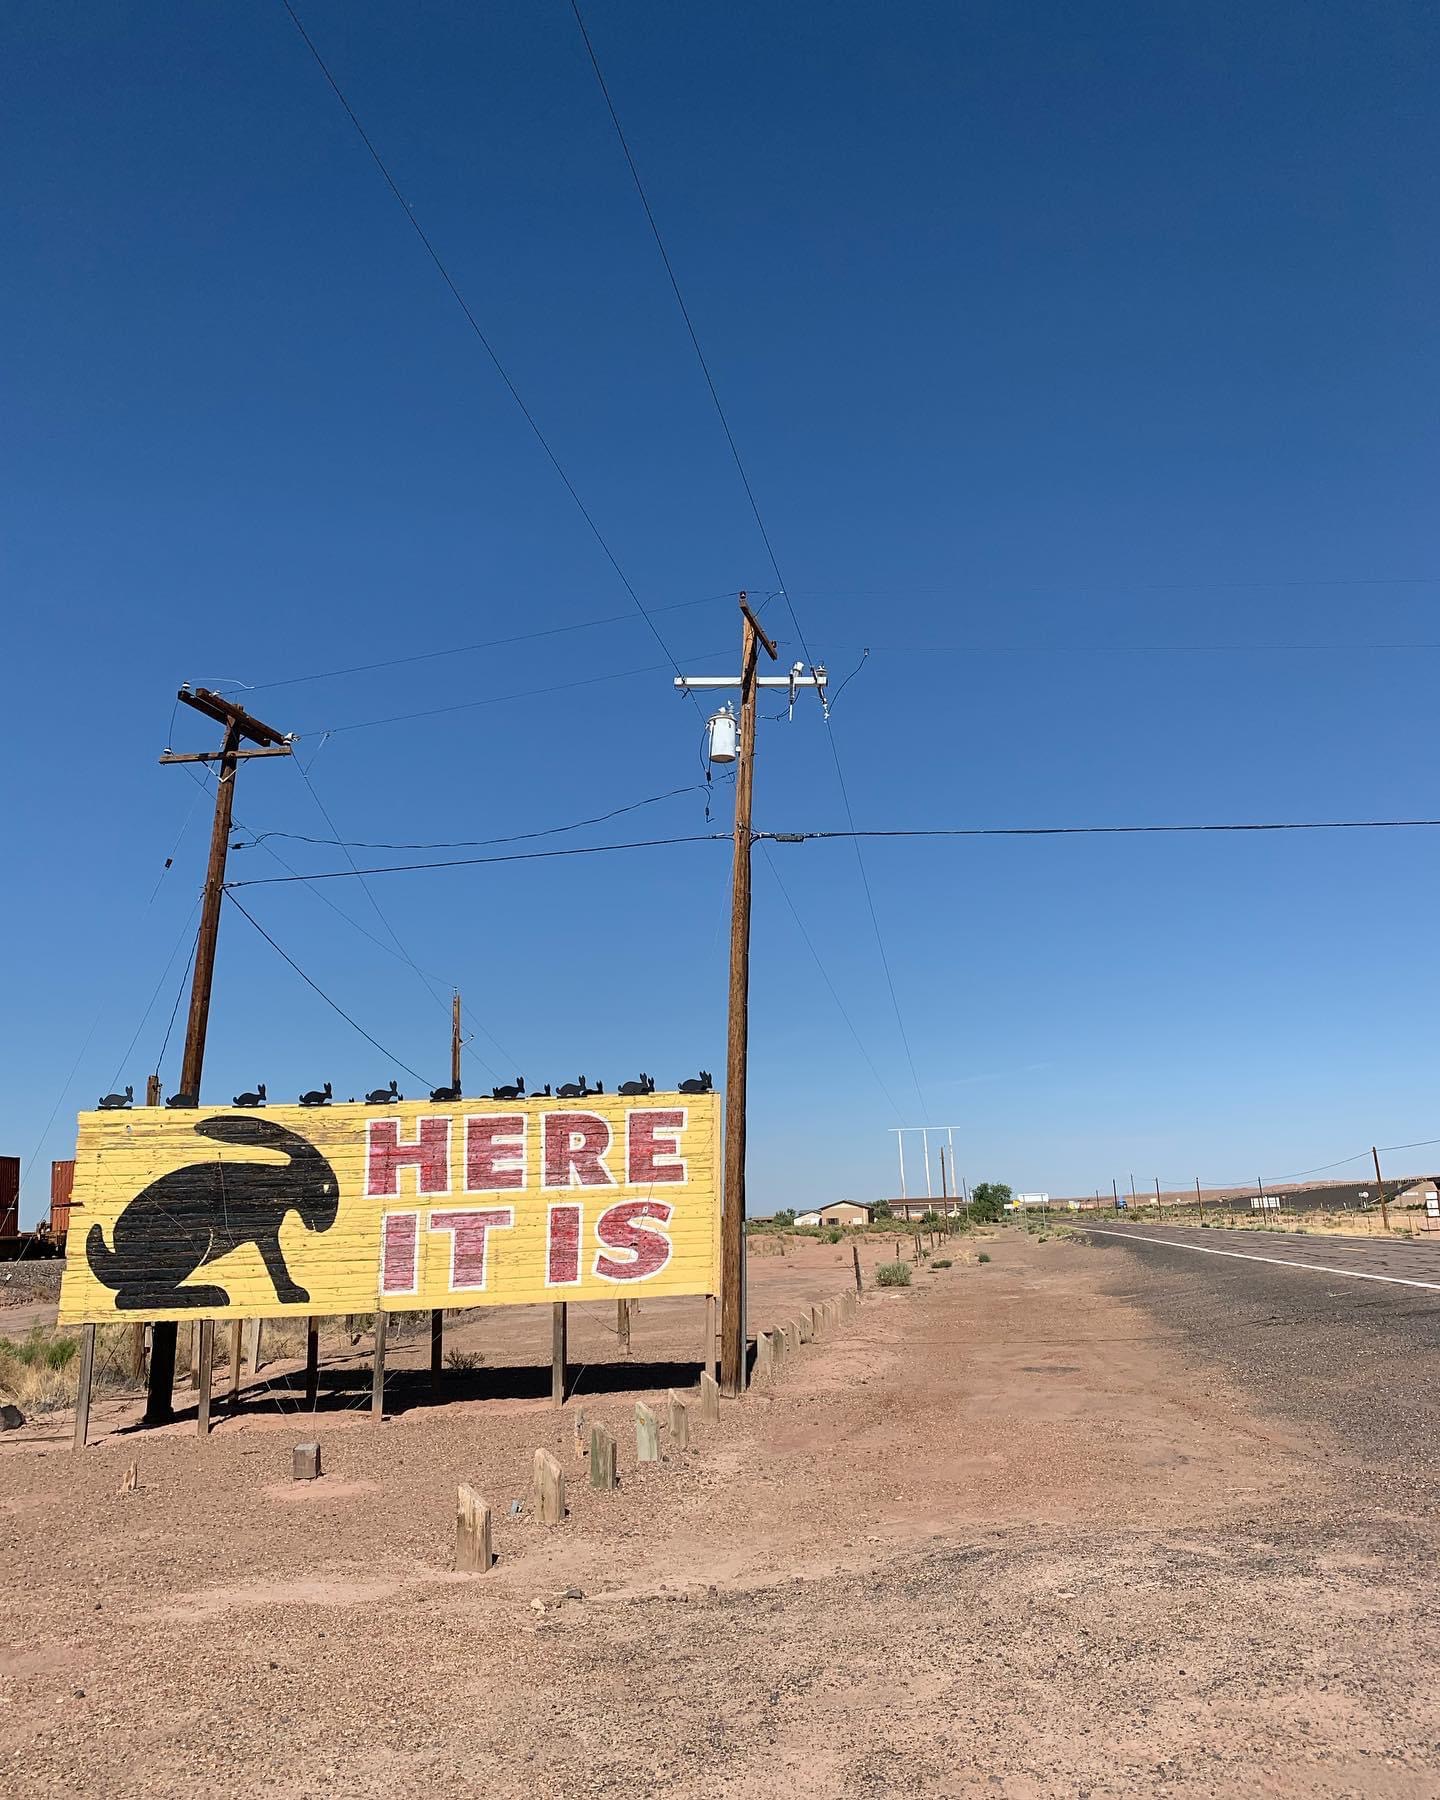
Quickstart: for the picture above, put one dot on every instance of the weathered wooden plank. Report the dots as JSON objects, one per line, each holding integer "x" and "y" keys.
{"x": 205, "y": 1374}
{"x": 548, "y": 1485}
{"x": 647, "y": 1433}
{"x": 709, "y": 1397}
{"x": 312, "y": 1363}
{"x": 801, "y": 1328}
{"x": 253, "y": 1352}
{"x": 559, "y": 1350}
{"x": 764, "y": 1356}
{"x": 377, "y": 1373}
{"x": 236, "y": 1328}
{"x": 679, "y": 1421}
{"x": 305, "y": 1462}
{"x": 82, "y": 1391}
{"x": 603, "y": 1473}
{"x": 622, "y": 1325}
{"x": 473, "y": 1555}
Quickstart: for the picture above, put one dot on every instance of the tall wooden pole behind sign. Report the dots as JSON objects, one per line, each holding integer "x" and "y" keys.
{"x": 239, "y": 725}
{"x": 732, "y": 1220}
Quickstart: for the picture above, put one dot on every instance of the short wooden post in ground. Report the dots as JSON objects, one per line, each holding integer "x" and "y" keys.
{"x": 472, "y": 1533}
{"x": 647, "y": 1433}
{"x": 205, "y": 1374}
{"x": 130, "y": 1481}
{"x": 709, "y": 1397}
{"x": 679, "y": 1422}
{"x": 195, "y": 1354}
{"x": 548, "y": 1484}
{"x": 710, "y": 1333}
{"x": 305, "y": 1462}
{"x": 855, "y": 1252}
{"x": 559, "y": 1350}
{"x": 312, "y": 1363}
{"x": 765, "y": 1354}
{"x": 82, "y": 1392}
{"x": 802, "y": 1328}
{"x": 817, "y": 1322}
{"x": 236, "y": 1328}
{"x": 377, "y": 1373}
{"x": 254, "y": 1354}
{"x": 622, "y": 1325}
{"x": 602, "y": 1457}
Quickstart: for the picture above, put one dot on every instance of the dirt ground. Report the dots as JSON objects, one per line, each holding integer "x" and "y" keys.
{"x": 1001, "y": 1535}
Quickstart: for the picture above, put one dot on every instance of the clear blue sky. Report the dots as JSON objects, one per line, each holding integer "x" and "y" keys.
{"x": 1078, "y": 358}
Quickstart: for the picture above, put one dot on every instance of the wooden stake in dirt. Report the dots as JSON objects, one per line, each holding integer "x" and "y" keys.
{"x": 855, "y": 1252}
{"x": 778, "y": 1347}
{"x": 709, "y": 1398}
{"x": 82, "y": 1392}
{"x": 305, "y": 1462}
{"x": 312, "y": 1363}
{"x": 817, "y": 1322}
{"x": 679, "y": 1421}
{"x": 254, "y": 1354}
{"x": 548, "y": 1484}
{"x": 559, "y": 1350}
{"x": 581, "y": 1438}
{"x": 801, "y": 1328}
{"x": 472, "y": 1533}
{"x": 602, "y": 1458}
{"x": 622, "y": 1325}
{"x": 647, "y": 1434}
{"x": 205, "y": 1374}
{"x": 764, "y": 1355}
{"x": 377, "y": 1374}
{"x": 130, "y": 1482}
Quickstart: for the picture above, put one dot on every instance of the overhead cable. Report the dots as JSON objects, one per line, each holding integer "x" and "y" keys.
{"x": 473, "y": 322}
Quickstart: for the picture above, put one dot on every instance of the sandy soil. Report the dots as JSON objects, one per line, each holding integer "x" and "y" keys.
{"x": 1003, "y": 1535}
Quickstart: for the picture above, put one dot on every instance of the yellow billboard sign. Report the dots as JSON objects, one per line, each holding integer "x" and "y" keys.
{"x": 250, "y": 1213}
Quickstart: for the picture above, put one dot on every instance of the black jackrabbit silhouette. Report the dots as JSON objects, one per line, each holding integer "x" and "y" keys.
{"x": 510, "y": 1093}
{"x": 384, "y": 1096}
{"x": 645, "y": 1085}
{"x": 317, "y": 1096}
{"x": 194, "y": 1215}
{"x": 255, "y": 1099}
{"x": 575, "y": 1090}
{"x": 450, "y": 1093}
{"x": 697, "y": 1084}
{"x": 115, "y": 1102}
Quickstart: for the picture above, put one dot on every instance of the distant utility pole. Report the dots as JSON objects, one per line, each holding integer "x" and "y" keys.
{"x": 1384, "y": 1208}
{"x": 240, "y": 728}
{"x": 924, "y": 1130}
{"x": 732, "y": 1219}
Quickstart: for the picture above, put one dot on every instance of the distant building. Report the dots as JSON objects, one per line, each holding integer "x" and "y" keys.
{"x": 1425, "y": 1192}
{"x": 917, "y": 1209}
{"x": 839, "y": 1212}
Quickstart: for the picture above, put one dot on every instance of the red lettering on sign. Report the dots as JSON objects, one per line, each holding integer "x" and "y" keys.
{"x": 622, "y": 1227}
{"x": 470, "y": 1242}
{"x": 652, "y": 1145}
{"x": 494, "y": 1152}
{"x": 575, "y": 1146}
{"x": 399, "y": 1253}
{"x": 562, "y": 1246}
{"x": 386, "y": 1156}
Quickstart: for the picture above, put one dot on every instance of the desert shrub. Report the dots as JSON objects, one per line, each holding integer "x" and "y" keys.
{"x": 834, "y": 1235}
{"x": 942, "y": 1262}
{"x": 984, "y": 1256}
{"x": 464, "y": 1360}
{"x": 893, "y": 1274}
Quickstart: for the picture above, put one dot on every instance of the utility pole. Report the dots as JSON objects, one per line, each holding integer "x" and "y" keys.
{"x": 437, "y": 1313}
{"x": 455, "y": 1041}
{"x": 240, "y": 728}
{"x": 732, "y": 1218}
{"x": 1379, "y": 1182}
{"x": 1198, "y": 1201}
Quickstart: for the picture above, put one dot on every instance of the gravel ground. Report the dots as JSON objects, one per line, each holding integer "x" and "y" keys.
{"x": 1017, "y": 1531}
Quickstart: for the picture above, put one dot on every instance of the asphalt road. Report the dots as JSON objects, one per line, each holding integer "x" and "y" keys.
{"x": 1339, "y": 1334}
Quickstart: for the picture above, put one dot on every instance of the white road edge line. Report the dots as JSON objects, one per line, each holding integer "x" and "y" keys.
{"x": 1280, "y": 1261}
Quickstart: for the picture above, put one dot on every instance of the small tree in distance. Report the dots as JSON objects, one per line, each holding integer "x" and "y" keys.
{"x": 987, "y": 1202}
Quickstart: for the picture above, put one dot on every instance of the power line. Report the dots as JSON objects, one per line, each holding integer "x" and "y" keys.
{"x": 520, "y": 637}
{"x": 481, "y": 339}
{"x": 759, "y": 521}
{"x": 695, "y": 787}
{"x": 468, "y": 862}
{"x": 969, "y": 831}
{"x": 825, "y": 977}
{"x": 558, "y": 687}
{"x": 333, "y": 1005}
